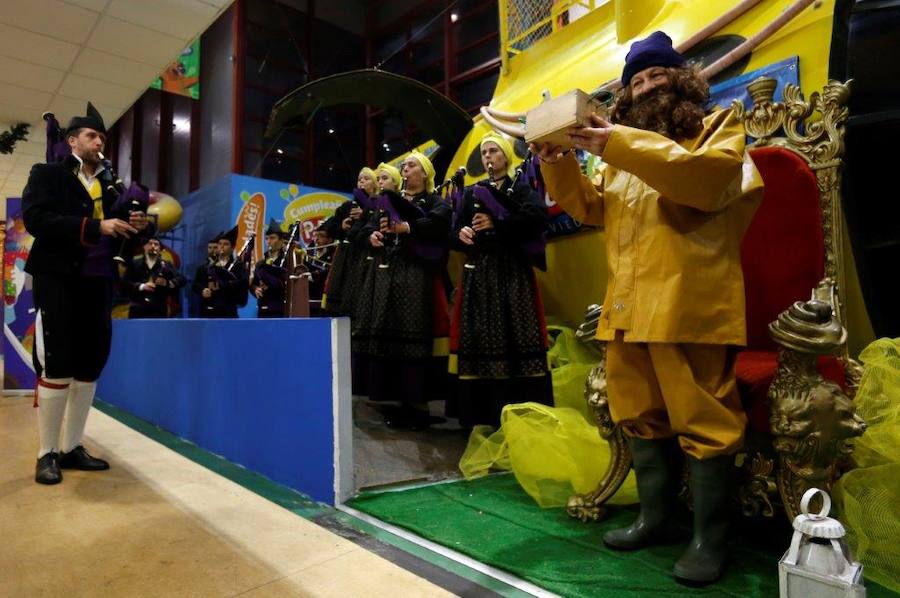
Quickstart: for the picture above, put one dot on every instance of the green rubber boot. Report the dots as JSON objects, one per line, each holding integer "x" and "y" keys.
{"x": 705, "y": 556}
{"x": 657, "y": 473}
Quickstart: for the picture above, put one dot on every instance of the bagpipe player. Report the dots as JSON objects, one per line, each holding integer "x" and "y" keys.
{"x": 226, "y": 281}
{"x": 151, "y": 283}
{"x": 498, "y": 333}
{"x": 269, "y": 275}
{"x": 79, "y": 216}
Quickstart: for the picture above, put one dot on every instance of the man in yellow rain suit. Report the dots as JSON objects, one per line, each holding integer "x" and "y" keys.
{"x": 675, "y": 194}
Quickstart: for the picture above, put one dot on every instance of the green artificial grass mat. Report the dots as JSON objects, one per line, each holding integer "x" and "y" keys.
{"x": 492, "y": 520}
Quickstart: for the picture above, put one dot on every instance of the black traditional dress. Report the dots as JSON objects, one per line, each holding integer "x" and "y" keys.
{"x": 340, "y": 285}
{"x": 498, "y": 340}
{"x": 363, "y": 295}
{"x": 402, "y": 325}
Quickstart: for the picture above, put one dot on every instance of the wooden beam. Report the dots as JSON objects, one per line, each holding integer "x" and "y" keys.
{"x": 237, "y": 93}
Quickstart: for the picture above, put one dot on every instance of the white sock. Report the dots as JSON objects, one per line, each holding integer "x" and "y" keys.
{"x": 52, "y": 397}
{"x": 81, "y": 395}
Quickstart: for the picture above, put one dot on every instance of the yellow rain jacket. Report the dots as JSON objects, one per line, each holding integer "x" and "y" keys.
{"x": 674, "y": 214}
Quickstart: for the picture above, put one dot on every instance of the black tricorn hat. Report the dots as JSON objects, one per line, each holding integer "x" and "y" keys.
{"x": 92, "y": 120}
{"x": 230, "y": 236}
{"x": 274, "y": 228}
{"x": 216, "y": 237}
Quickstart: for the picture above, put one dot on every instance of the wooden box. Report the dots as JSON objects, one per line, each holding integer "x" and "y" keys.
{"x": 550, "y": 122}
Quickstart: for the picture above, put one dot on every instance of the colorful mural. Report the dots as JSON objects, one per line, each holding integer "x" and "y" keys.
{"x": 250, "y": 203}
{"x": 182, "y": 75}
{"x": 18, "y": 304}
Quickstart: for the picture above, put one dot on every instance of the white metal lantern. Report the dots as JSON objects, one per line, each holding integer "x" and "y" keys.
{"x": 818, "y": 560}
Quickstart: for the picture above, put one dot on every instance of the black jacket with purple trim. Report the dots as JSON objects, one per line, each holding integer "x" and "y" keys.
{"x": 58, "y": 212}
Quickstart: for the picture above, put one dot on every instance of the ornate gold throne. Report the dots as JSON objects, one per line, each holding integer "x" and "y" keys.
{"x": 796, "y": 378}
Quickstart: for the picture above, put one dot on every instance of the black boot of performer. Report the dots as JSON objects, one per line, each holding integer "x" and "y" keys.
{"x": 78, "y": 458}
{"x": 656, "y": 468}
{"x": 705, "y": 556}
{"x": 47, "y": 470}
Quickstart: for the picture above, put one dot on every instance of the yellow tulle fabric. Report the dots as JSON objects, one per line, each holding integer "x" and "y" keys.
{"x": 868, "y": 496}
{"x": 554, "y": 452}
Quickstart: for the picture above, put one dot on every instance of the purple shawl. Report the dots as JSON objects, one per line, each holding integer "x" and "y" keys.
{"x": 534, "y": 247}
{"x": 363, "y": 199}
{"x": 425, "y": 251}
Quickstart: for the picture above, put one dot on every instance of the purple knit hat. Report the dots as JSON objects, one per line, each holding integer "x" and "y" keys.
{"x": 655, "y": 50}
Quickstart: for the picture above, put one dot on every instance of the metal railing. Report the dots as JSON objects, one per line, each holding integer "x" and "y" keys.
{"x": 525, "y": 22}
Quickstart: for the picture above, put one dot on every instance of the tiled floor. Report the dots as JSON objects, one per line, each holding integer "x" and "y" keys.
{"x": 158, "y": 524}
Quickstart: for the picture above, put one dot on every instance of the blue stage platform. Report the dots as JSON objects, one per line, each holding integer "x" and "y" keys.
{"x": 270, "y": 395}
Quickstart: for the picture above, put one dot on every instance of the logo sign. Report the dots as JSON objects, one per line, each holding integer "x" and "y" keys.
{"x": 250, "y": 220}
{"x": 310, "y": 209}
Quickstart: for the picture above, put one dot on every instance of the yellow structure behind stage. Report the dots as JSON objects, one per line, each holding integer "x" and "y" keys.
{"x": 581, "y": 44}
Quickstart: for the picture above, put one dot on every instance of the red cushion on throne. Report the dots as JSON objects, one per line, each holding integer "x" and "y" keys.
{"x": 783, "y": 252}
{"x": 755, "y": 372}
{"x": 783, "y": 257}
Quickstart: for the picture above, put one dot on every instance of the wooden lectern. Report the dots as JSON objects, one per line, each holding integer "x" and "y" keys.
{"x": 296, "y": 298}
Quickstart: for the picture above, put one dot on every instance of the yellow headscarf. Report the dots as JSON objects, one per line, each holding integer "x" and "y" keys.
{"x": 371, "y": 173}
{"x": 505, "y": 147}
{"x": 392, "y": 171}
{"x": 427, "y": 166}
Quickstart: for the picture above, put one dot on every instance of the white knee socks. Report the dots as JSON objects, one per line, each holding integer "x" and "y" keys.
{"x": 81, "y": 395}
{"x": 52, "y": 398}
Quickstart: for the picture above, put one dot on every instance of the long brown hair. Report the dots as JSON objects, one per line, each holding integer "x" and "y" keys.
{"x": 676, "y": 110}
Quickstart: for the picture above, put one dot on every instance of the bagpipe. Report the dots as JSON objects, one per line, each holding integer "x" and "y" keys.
{"x": 497, "y": 203}
{"x": 167, "y": 274}
{"x": 394, "y": 207}
{"x": 224, "y": 277}
{"x": 453, "y": 188}
{"x": 480, "y": 206}
{"x": 277, "y": 271}
{"x": 269, "y": 276}
{"x": 317, "y": 257}
{"x": 245, "y": 253}
{"x": 135, "y": 198}
{"x": 57, "y": 148}
{"x": 363, "y": 200}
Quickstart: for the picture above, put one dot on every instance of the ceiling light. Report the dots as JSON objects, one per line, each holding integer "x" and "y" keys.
{"x": 454, "y": 17}
{"x": 280, "y": 151}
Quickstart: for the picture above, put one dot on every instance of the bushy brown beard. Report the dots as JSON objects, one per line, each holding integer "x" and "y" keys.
{"x": 675, "y": 111}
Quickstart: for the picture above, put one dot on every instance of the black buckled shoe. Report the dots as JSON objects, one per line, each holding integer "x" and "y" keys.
{"x": 47, "y": 470}
{"x": 78, "y": 458}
